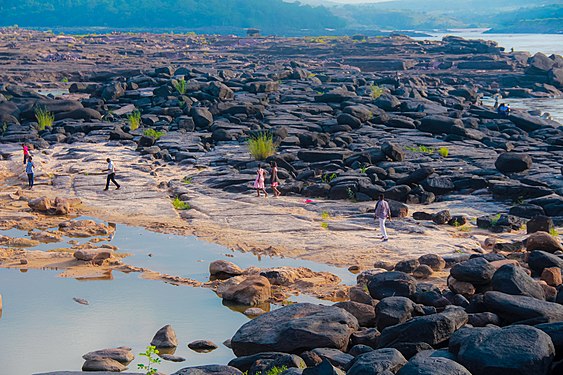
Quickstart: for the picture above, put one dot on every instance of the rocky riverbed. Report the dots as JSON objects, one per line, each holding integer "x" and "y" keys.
{"x": 476, "y": 197}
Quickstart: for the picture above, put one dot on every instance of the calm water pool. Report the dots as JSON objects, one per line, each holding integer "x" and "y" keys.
{"x": 43, "y": 329}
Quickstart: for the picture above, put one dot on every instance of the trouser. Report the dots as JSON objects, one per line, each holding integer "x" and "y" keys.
{"x": 382, "y": 227}
{"x": 30, "y": 179}
{"x": 111, "y": 177}
{"x": 25, "y": 156}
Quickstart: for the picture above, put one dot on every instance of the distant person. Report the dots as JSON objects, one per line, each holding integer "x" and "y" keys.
{"x": 497, "y": 98}
{"x": 26, "y": 153}
{"x": 111, "y": 175}
{"x": 382, "y": 213}
{"x": 274, "y": 180}
{"x": 260, "y": 180}
{"x": 30, "y": 170}
{"x": 503, "y": 110}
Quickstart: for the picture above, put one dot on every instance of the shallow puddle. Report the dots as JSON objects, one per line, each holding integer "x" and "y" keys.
{"x": 43, "y": 329}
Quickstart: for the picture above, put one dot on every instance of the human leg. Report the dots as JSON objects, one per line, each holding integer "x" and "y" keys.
{"x": 383, "y": 229}
{"x": 112, "y": 177}
{"x": 30, "y": 180}
{"x": 108, "y": 179}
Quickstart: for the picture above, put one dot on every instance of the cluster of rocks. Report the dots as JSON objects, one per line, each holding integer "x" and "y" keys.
{"x": 344, "y": 131}
{"x": 494, "y": 317}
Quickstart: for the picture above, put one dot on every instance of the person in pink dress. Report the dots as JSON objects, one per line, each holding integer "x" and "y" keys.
{"x": 26, "y": 154}
{"x": 259, "y": 182}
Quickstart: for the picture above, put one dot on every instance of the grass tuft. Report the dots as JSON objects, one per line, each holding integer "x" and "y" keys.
{"x": 261, "y": 146}
{"x": 376, "y": 91}
{"x": 180, "y": 86}
{"x": 180, "y": 205}
{"x": 154, "y": 133}
{"x": 134, "y": 119}
{"x": 444, "y": 152}
{"x": 553, "y": 232}
{"x": 44, "y": 118}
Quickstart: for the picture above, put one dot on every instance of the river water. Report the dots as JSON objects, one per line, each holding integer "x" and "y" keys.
{"x": 43, "y": 329}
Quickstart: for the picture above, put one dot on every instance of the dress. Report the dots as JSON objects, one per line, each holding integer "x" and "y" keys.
{"x": 274, "y": 181}
{"x": 259, "y": 182}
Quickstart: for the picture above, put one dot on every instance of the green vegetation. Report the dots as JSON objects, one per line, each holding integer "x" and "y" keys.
{"x": 376, "y": 91}
{"x": 327, "y": 178}
{"x": 154, "y": 133}
{"x": 495, "y": 219}
{"x": 325, "y": 215}
{"x": 276, "y": 370}
{"x": 44, "y": 118}
{"x": 444, "y": 152}
{"x": 261, "y": 146}
{"x": 152, "y": 357}
{"x": 64, "y": 80}
{"x": 134, "y": 119}
{"x": 180, "y": 205}
{"x": 351, "y": 194}
{"x": 180, "y": 86}
{"x": 201, "y": 15}
{"x": 4, "y": 127}
{"x": 364, "y": 168}
{"x": 187, "y": 180}
{"x": 420, "y": 149}
{"x": 553, "y": 232}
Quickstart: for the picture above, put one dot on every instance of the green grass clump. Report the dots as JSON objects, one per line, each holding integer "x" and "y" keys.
{"x": 420, "y": 149}
{"x": 276, "y": 370}
{"x": 376, "y": 91}
{"x": 261, "y": 146}
{"x": 553, "y": 232}
{"x": 495, "y": 219}
{"x": 444, "y": 152}
{"x": 180, "y": 205}
{"x": 187, "y": 180}
{"x": 153, "y": 133}
{"x": 325, "y": 215}
{"x": 44, "y": 118}
{"x": 180, "y": 86}
{"x": 134, "y": 119}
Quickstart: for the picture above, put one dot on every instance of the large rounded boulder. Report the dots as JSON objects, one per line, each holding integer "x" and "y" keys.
{"x": 388, "y": 284}
{"x": 420, "y": 365}
{"x": 514, "y": 350}
{"x": 512, "y": 279}
{"x": 294, "y": 329}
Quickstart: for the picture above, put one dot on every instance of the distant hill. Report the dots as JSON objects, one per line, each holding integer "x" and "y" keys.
{"x": 273, "y": 16}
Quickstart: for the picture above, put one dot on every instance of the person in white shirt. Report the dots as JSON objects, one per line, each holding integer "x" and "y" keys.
{"x": 382, "y": 213}
{"x": 111, "y": 175}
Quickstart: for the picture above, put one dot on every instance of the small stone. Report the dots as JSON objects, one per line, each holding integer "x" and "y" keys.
{"x": 552, "y": 276}
{"x": 434, "y": 261}
{"x": 202, "y": 346}
{"x": 550, "y": 291}
{"x": 422, "y": 272}
{"x": 384, "y": 264}
{"x": 172, "y": 358}
{"x": 165, "y": 338}
{"x": 461, "y": 287}
{"x": 254, "y": 311}
{"x": 23, "y": 261}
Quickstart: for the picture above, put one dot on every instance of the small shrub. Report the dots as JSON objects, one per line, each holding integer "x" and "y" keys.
{"x": 464, "y": 228}
{"x": 495, "y": 219}
{"x": 180, "y": 86}
{"x": 351, "y": 194}
{"x": 327, "y": 178}
{"x": 187, "y": 180}
{"x": 4, "y": 127}
{"x": 44, "y": 118}
{"x": 261, "y": 146}
{"x": 324, "y": 225}
{"x": 443, "y": 151}
{"x": 376, "y": 91}
{"x": 152, "y": 356}
{"x": 276, "y": 370}
{"x": 553, "y": 232}
{"x": 180, "y": 205}
{"x": 134, "y": 119}
{"x": 153, "y": 133}
{"x": 325, "y": 215}
{"x": 364, "y": 168}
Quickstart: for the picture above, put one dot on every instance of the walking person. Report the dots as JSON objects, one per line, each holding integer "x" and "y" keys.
{"x": 382, "y": 213}
{"x": 259, "y": 182}
{"x": 26, "y": 153}
{"x": 274, "y": 180}
{"x": 111, "y": 175}
{"x": 30, "y": 170}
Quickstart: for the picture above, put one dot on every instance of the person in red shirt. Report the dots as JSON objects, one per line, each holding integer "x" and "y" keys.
{"x": 26, "y": 153}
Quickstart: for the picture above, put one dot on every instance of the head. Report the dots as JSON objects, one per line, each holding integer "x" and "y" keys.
{"x": 23, "y": 144}
{"x": 108, "y": 160}
{"x": 381, "y": 197}
{"x": 29, "y": 159}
